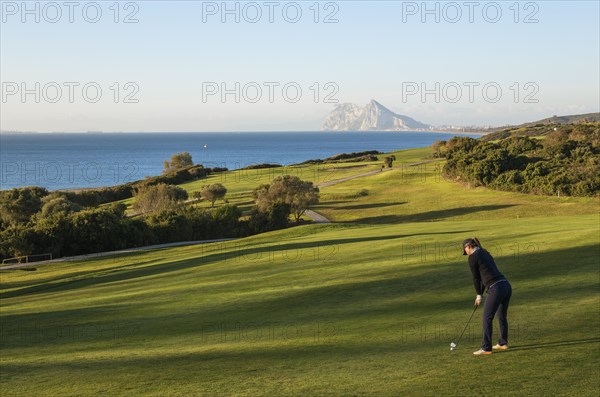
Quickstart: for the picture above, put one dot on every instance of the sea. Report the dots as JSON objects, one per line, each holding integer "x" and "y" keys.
{"x": 85, "y": 160}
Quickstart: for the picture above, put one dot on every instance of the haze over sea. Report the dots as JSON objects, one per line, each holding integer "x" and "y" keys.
{"x": 80, "y": 160}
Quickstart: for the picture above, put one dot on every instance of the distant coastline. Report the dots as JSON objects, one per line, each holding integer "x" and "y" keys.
{"x": 433, "y": 131}
{"x": 82, "y": 160}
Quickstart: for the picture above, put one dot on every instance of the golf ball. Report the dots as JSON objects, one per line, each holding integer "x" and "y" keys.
{"x": 452, "y": 348}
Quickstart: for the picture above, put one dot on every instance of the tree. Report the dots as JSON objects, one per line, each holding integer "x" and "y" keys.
{"x": 171, "y": 225}
{"x": 389, "y": 160}
{"x": 54, "y": 204}
{"x": 96, "y": 230}
{"x": 155, "y": 198}
{"x": 291, "y": 191}
{"x": 226, "y": 220}
{"x": 53, "y": 230}
{"x": 274, "y": 218}
{"x": 15, "y": 240}
{"x": 213, "y": 192}
{"x": 18, "y": 205}
{"x": 439, "y": 149}
{"x": 178, "y": 161}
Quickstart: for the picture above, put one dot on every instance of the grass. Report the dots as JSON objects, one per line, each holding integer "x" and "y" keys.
{"x": 365, "y": 306}
{"x": 240, "y": 183}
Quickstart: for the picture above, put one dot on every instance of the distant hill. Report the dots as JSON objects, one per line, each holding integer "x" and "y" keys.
{"x": 373, "y": 117}
{"x": 572, "y": 119}
{"x": 540, "y": 127}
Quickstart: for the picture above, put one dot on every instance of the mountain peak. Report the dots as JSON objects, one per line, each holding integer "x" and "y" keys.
{"x": 373, "y": 117}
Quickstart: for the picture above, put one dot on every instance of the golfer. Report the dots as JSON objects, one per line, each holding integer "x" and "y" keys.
{"x": 486, "y": 275}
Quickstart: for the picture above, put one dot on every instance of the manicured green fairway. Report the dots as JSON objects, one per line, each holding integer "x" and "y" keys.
{"x": 366, "y": 306}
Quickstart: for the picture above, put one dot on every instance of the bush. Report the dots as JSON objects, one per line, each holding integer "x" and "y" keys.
{"x": 274, "y": 217}
{"x": 178, "y": 161}
{"x": 96, "y": 230}
{"x": 439, "y": 149}
{"x": 96, "y": 197}
{"x": 18, "y": 205}
{"x": 16, "y": 240}
{"x": 226, "y": 220}
{"x": 261, "y": 166}
{"x": 57, "y": 204}
{"x": 157, "y": 198}
{"x": 555, "y": 164}
{"x": 189, "y": 223}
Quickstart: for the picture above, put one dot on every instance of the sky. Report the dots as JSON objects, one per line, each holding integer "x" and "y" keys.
{"x": 137, "y": 66}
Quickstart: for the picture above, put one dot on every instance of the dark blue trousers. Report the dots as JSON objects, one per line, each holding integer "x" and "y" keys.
{"x": 497, "y": 300}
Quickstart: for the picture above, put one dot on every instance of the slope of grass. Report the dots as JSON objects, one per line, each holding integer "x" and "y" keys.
{"x": 419, "y": 193}
{"x": 240, "y": 183}
{"x": 367, "y": 306}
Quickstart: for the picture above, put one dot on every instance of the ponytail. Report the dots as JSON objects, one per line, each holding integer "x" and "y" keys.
{"x": 472, "y": 242}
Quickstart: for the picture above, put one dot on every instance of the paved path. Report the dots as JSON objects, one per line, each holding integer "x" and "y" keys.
{"x": 318, "y": 218}
{"x": 315, "y": 216}
{"x": 324, "y": 184}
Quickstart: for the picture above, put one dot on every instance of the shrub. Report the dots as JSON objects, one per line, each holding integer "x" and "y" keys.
{"x": 157, "y": 198}
{"x": 178, "y": 161}
{"x": 18, "y": 205}
{"x": 520, "y": 163}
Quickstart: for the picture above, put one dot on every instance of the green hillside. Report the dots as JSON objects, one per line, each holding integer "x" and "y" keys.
{"x": 571, "y": 119}
{"x": 367, "y": 305}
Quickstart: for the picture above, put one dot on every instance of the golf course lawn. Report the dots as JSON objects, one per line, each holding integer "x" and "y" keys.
{"x": 367, "y": 305}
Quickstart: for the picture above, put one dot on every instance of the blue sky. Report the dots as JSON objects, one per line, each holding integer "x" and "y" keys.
{"x": 535, "y": 59}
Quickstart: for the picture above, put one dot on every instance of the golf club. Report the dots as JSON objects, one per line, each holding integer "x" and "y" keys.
{"x": 453, "y": 345}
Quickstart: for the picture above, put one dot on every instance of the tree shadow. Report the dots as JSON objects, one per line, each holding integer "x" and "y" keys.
{"x": 353, "y": 299}
{"x": 92, "y": 257}
{"x": 430, "y": 215}
{"x": 331, "y": 202}
{"x": 82, "y": 278}
{"x": 226, "y": 251}
{"x": 367, "y": 206}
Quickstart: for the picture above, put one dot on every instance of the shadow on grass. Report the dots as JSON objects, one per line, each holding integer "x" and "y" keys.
{"x": 392, "y": 295}
{"x": 121, "y": 256}
{"x": 547, "y": 345}
{"x": 83, "y": 278}
{"x": 367, "y": 206}
{"x": 325, "y": 203}
{"x": 430, "y": 215}
{"x": 228, "y": 251}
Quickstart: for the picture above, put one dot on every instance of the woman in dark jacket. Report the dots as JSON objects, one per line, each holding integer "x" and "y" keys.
{"x": 486, "y": 275}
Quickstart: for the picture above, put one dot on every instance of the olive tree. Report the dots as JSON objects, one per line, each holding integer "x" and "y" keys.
{"x": 288, "y": 190}
{"x": 155, "y": 198}
{"x": 178, "y": 161}
{"x": 213, "y": 192}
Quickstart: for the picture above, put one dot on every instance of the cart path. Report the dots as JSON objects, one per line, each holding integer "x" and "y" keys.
{"x": 348, "y": 178}
{"x": 109, "y": 253}
{"x": 318, "y": 218}
{"x": 314, "y": 216}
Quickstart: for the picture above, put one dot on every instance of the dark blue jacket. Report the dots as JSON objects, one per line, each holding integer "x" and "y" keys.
{"x": 484, "y": 270}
